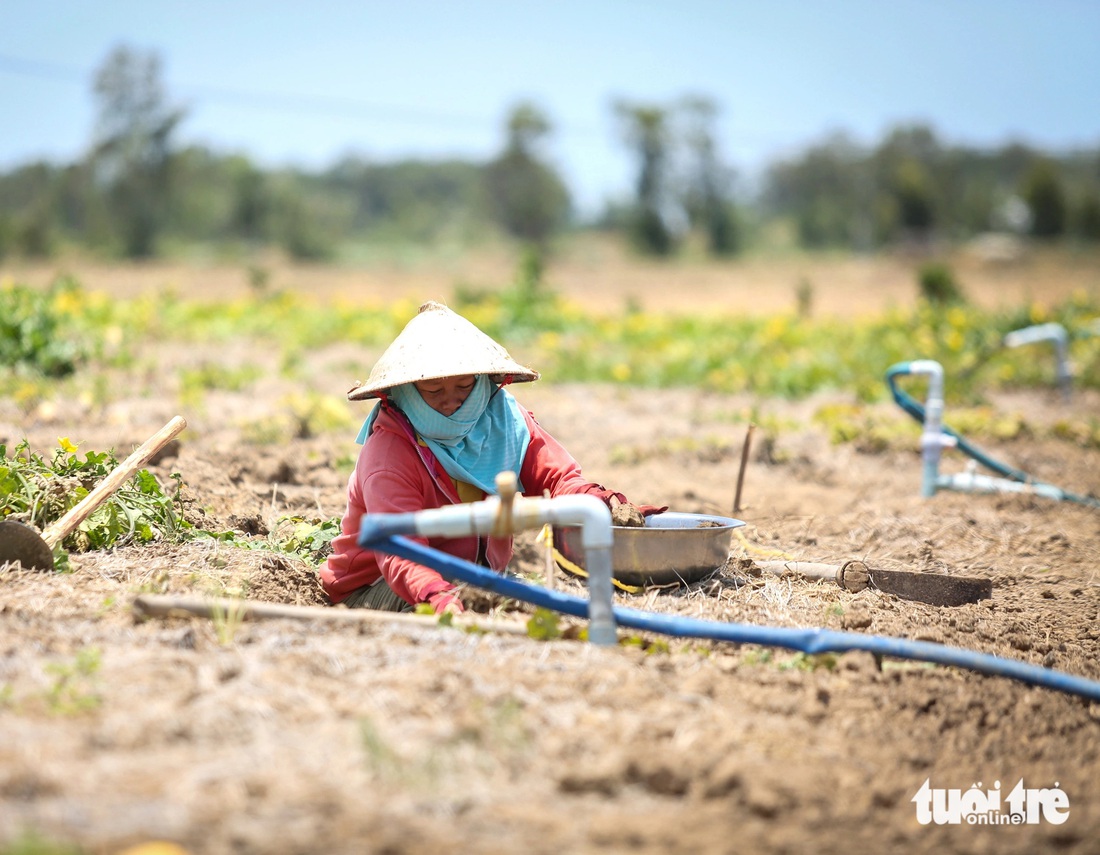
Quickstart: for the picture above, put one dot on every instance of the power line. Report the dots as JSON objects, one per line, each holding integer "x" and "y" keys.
{"x": 35, "y": 68}
{"x": 327, "y": 105}
{"x": 290, "y": 103}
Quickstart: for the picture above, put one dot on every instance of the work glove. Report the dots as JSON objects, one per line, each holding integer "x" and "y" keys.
{"x": 446, "y": 601}
{"x": 628, "y": 514}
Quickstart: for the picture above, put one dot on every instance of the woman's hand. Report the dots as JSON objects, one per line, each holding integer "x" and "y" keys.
{"x": 625, "y": 514}
{"x": 446, "y": 602}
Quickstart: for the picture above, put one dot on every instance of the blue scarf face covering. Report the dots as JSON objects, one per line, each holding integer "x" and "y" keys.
{"x": 485, "y": 436}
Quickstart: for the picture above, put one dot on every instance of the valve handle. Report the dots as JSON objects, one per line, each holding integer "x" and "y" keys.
{"x": 506, "y": 489}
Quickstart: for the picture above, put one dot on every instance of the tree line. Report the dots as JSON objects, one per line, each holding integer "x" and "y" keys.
{"x": 136, "y": 193}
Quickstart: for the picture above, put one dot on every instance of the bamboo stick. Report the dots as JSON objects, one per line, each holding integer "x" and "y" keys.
{"x": 163, "y": 606}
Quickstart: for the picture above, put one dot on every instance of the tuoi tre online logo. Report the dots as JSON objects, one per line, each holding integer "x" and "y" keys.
{"x": 975, "y": 806}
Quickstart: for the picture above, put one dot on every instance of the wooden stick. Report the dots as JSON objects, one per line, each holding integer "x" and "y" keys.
{"x": 809, "y": 569}
{"x": 157, "y": 605}
{"x": 741, "y": 470}
{"x": 551, "y": 566}
{"x": 109, "y": 485}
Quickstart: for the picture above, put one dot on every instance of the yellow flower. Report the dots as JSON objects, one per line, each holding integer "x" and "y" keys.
{"x": 68, "y": 302}
{"x": 66, "y": 445}
{"x": 549, "y": 340}
{"x": 956, "y": 316}
{"x": 775, "y": 328}
{"x": 621, "y": 372}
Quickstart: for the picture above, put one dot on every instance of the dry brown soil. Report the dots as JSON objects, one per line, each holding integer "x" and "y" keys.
{"x": 286, "y": 736}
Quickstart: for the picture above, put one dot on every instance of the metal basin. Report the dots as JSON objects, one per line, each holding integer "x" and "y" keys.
{"x": 673, "y": 548}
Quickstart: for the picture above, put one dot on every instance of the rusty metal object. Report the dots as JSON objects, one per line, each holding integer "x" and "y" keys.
{"x": 854, "y": 576}
{"x": 21, "y": 544}
{"x": 936, "y": 589}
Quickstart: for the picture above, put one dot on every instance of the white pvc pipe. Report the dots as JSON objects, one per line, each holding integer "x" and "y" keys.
{"x": 1052, "y": 332}
{"x": 1035, "y": 334}
{"x": 502, "y": 517}
{"x": 482, "y": 518}
{"x": 933, "y": 440}
{"x": 975, "y": 482}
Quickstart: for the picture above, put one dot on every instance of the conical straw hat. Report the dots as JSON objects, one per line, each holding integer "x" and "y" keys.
{"x": 439, "y": 343}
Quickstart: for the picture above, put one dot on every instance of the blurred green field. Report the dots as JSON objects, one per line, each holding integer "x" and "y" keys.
{"x": 785, "y": 327}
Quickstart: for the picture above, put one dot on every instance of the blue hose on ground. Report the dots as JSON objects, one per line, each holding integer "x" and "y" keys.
{"x": 804, "y": 640}
{"x": 916, "y": 410}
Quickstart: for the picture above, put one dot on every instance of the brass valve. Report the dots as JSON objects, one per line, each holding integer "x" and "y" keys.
{"x": 506, "y": 490}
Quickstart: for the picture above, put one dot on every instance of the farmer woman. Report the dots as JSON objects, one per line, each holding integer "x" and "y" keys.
{"x": 443, "y": 429}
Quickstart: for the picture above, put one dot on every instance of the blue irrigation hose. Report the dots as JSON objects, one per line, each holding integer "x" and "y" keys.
{"x": 804, "y": 640}
{"x": 916, "y": 410}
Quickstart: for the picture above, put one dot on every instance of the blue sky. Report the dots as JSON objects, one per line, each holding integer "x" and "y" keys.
{"x": 305, "y": 82}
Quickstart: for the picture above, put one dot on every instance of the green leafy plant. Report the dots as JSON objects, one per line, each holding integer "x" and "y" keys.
{"x": 75, "y": 688}
{"x": 809, "y": 662}
{"x": 544, "y": 625}
{"x": 196, "y": 382}
{"x": 31, "y": 842}
{"x": 798, "y": 662}
{"x": 36, "y": 328}
{"x": 760, "y": 656}
{"x": 40, "y": 491}
{"x": 314, "y": 413}
{"x": 938, "y": 284}
{"x": 648, "y": 646}
{"x": 783, "y": 355}
{"x": 381, "y": 758}
{"x": 310, "y": 540}
{"x": 227, "y": 621}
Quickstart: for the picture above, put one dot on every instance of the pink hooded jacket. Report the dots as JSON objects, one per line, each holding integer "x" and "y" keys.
{"x": 394, "y": 473}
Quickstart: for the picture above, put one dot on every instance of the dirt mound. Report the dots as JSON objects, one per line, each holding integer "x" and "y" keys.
{"x": 283, "y": 736}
